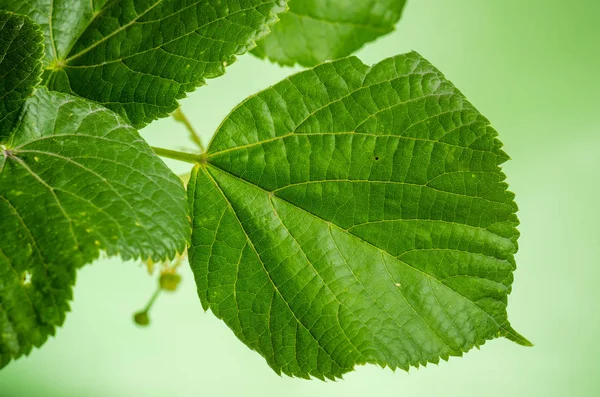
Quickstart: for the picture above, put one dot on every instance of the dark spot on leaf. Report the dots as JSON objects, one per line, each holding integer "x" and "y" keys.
{"x": 376, "y": 158}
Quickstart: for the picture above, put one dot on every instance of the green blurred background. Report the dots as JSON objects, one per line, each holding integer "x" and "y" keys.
{"x": 532, "y": 68}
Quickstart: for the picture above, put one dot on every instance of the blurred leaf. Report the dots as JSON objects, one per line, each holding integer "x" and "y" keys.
{"x": 138, "y": 57}
{"x": 353, "y": 215}
{"x": 74, "y": 181}
{"x": 313, "y": 31}
{"x": 20, "y": 66}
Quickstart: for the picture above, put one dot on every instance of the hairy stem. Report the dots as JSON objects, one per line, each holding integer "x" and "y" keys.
{"x": 181, "y": 117}
{"x": 176, "y": 155}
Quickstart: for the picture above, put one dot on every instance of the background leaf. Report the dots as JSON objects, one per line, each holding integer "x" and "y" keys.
{"x": 353, "y": 215}
{"x": 20, "y": 66}
{"x": 313, "y": 31}
{"x": 138, "y": 57}
{"x": 75, "y": 181}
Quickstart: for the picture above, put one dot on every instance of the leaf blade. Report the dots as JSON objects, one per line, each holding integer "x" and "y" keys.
{"x": 139, "y": 57}
{"x": 62, "y": 22}
{"x": 20, "y": 50}
{"x": 377, "y": 213}
{"x": 312, "y": 32}
{"x": 75, "y": 181}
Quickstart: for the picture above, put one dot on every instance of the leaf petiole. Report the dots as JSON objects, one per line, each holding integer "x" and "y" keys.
{"x": 177, "y": 155}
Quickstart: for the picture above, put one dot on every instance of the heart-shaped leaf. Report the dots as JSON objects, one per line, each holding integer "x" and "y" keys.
{"x": 353, "y": 215}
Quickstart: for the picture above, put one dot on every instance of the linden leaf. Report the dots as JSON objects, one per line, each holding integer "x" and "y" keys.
{"x": 20, "y": 66}
{"x": 353, "y": 215}
{"x": 138, "y": 57}
{"x": 75, "y": 180}
{"x": 313, "y": 31}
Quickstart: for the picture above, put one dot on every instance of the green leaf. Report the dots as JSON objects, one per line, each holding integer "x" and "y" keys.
{"x": 75, "y": 181}
{"x": 313, "y": 31}
{"x": 63, "y": 21}
{"x": 138, "y": 57}
{"x": 353, "y": 215}
{"x": 20, "y": 67}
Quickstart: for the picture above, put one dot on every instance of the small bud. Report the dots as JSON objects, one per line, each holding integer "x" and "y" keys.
{"x": 169, "y": 281}
{"x": 141, "y": 318}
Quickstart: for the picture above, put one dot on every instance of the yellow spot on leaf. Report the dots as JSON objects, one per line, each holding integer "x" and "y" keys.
{"x": 27, "y": 278}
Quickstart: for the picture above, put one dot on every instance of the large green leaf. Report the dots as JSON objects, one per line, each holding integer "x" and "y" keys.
{"x": 75, "y": 181}
{"x": 138, "y": 57}
{"x": 353, "y": 215}
{"x": 20, "y": 66}
{"x": 313, "y": 31}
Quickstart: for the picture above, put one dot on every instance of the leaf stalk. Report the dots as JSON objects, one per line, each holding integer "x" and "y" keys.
{"x": 177, "y": 155}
